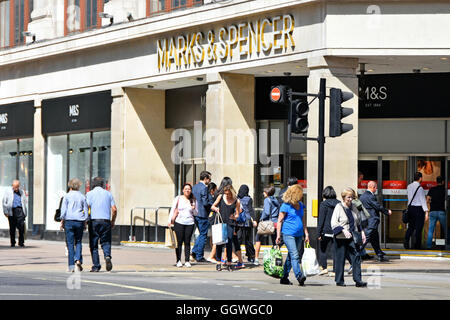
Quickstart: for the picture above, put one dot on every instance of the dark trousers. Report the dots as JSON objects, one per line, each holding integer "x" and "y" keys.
{"x": 99, "y": 231}
{"x": 322, "y": 252}
{"x": 184, "y": 235}
{"x": 346, "y": 248}
{"x": 232, "y": 240}
{"x": 416, "y": 217}
{"x": 373, "y": 237}
{"x": 17, "y": 220}
{"x": 245, "y": 236}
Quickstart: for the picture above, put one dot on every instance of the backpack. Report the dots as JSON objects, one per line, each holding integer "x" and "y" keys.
{"x": 273, "y": 262}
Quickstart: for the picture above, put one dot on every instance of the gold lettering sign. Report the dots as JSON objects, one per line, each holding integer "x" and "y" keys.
{"x": 245, "y": 40}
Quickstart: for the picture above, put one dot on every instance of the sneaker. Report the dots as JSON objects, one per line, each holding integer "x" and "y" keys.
{"x": 94, "y": 269}
{"x": 108, "y": 264}
{"x": 187, "y": 264}
{"x": 234, "y": 260}
{"x": 78, "y": 266}
{"x": 240, "y": 265}
{"x": 179, "y": 264}
{"x": 331, "y": 274}
{"x": 212, "y": 260}
{"x": 323, "y": 272}
{"x": 256, "y": 263}
{"x": 202, "y": 260}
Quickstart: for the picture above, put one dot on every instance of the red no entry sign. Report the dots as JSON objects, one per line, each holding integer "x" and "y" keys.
{"x": 275, "y": 94}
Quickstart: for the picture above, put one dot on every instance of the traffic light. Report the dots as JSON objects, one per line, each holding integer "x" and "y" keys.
{"x": 280, "y": 94}
{"x": 298, "y": 116}
{"x": 337, "y": 97}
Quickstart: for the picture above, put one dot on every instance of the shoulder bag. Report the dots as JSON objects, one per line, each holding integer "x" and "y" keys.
{"x": 405, "y": 218}
{"x": 356, "y": 235}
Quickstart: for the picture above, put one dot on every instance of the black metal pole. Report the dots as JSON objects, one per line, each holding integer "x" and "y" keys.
{"x": 321, "y": 140}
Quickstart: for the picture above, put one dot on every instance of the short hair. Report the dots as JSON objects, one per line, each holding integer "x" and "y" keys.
{"x": 348, "y": 192}
{"x": 439, "y": 179}
{"x": 417, "y": 176}
{"x": 270, "y": 190}
{"x": 371, "y": 184}
{"x": 293, "y": 195}
{"x": 75, "y": 184}
{"x": 205, "y": 175}
{"x": 291, "y": 181}
{"x": 98, "y": 182}
{"x": 329, "y": 193}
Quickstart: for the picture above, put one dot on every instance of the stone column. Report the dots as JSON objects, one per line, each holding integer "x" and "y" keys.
{"x": 230, "y": 128}
{"x": 38, "y": 167}
{"x": 117, "y": 147}
{"x": 341, "y": 153}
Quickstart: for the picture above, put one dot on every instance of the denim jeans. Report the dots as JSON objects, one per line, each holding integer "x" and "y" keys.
{"x": 99, "y": 231}
{"x": 434, "y": 217}
{"x": 199, "y": 246}
{"x": 293, "y": 244}
{"x": 74, "y": 234}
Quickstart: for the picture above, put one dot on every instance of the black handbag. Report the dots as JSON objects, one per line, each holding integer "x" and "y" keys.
{"x": 57, "y": 216}
{"x": 405, "y": 218}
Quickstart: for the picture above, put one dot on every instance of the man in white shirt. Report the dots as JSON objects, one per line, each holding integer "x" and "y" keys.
{"x": 417, "y": 212}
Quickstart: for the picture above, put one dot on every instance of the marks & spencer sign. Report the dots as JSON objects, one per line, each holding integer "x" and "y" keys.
{"x": 17, "y": 120}
{"x": 87, "y": 112}
{"x": 235, "y": 42}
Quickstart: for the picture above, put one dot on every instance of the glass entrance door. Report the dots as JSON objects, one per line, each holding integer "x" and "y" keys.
{"x": 431, "y": 168}
{"x": 189, "y": 172}
{"x": 391, "y": 176}
{"x": 395, "y": 197}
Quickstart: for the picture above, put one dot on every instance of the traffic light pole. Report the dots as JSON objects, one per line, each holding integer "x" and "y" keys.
{"x": 321, "y": 140}
{"x": 321, "y": 137}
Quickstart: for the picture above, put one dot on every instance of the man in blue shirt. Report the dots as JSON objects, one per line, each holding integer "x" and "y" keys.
{"x": 205, "y": 201}
{"x": 102, "y": 219}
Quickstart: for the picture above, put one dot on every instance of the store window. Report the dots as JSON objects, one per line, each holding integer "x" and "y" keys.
{"x": 16, "y": 163}
{"x": 81, "y": 155}
{"x": 82, "y": 15}
{"x": 14, "y": 18}
{"x": 156, "y": 6}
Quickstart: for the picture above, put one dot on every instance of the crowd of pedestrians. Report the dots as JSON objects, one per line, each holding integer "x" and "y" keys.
{"x": 340, "y": 224}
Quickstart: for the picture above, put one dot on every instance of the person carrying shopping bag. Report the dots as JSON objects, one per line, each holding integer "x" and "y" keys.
{"x": 291, "y": 226}
{"x": 349, "y": 236}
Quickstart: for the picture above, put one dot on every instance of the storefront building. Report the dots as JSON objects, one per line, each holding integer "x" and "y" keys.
{"x": 167, "y": 95}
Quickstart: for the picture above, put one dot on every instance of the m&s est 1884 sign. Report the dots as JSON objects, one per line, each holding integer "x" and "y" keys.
{"x": 234, "y": 42}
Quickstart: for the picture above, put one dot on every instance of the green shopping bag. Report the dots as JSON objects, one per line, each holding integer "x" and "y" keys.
{"x": 273, "y": 262}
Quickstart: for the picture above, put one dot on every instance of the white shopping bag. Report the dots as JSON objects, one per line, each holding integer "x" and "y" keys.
{"x": 219, "y": 231}
{"x": 310, "y": 266}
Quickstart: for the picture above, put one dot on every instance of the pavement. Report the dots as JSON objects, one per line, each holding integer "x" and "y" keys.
{"x": 43, "y": 255}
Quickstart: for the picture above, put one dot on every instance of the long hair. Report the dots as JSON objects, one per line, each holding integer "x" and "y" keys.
{"x": 226, "y": 181}
{"x": 191, "y": 196}
{"x": 293, "y": 195}
{"x": 231, "y": 189}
